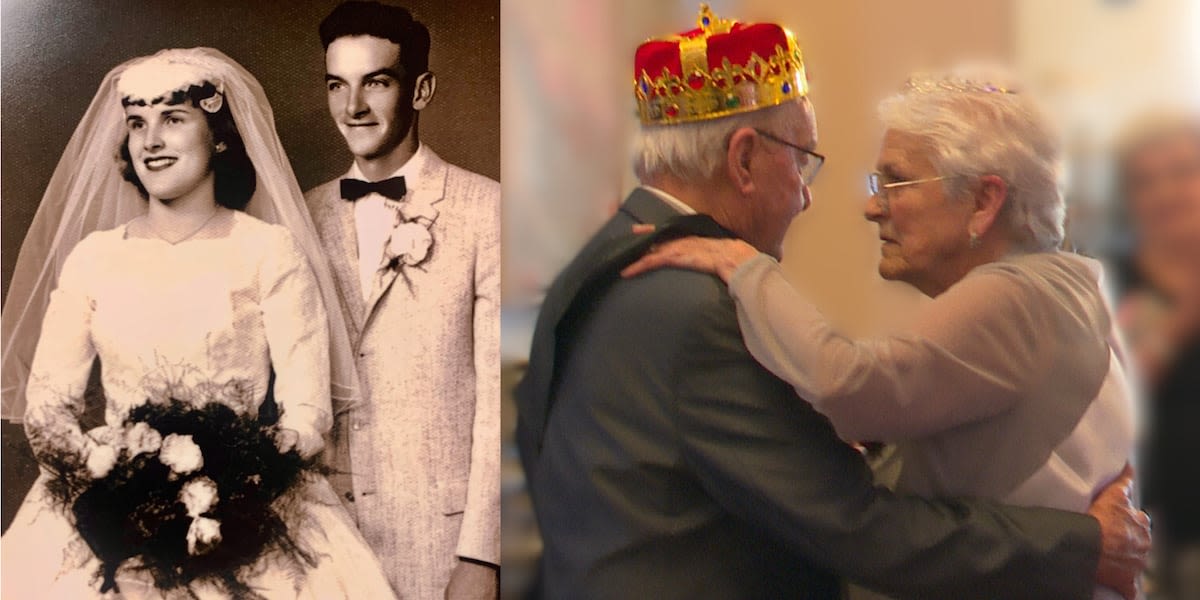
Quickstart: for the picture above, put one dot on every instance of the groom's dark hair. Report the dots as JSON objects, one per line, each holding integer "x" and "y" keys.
{"x": 391, "y": 23}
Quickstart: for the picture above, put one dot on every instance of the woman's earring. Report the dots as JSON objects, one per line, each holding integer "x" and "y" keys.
{"x": 974, "y": 239}
{"x": 220, "y": 147}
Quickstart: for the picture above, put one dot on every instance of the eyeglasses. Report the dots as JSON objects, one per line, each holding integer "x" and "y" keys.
{"x": 876, "y": 188}
{"x": 811, "y": 164}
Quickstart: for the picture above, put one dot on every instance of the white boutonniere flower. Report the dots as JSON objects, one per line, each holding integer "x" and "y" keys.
{"x": 203, "y": 535}
{"x": 142, "y": 438}
{"x": 198, "y": 496}
{"x": 101, "y": 460}
{"x": 410, "y": 243}
{"x": 181, "y": 454}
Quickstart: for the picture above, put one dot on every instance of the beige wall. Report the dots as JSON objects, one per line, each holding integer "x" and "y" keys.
{"x": 1097, "y": 66}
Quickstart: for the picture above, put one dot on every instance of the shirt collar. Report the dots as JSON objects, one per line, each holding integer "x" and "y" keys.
{"x": 415, "y": 164}
{"x": 675, "y": 203}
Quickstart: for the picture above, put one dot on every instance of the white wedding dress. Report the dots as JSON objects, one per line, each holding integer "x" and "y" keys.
{"x": 203, "y": 319}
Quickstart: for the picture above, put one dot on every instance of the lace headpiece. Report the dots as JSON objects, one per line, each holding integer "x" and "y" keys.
{"x": 154, "y": 78}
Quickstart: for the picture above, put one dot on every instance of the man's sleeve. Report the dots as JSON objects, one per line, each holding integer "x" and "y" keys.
{"x": 479, "y": 537}
{"x": 768, "y": 457}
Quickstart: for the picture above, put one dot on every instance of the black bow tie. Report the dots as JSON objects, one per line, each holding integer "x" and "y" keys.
{"x": 353, "y": 189}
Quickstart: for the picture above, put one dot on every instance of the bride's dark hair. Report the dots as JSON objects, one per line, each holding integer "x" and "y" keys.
{"x": 234, "y": 177}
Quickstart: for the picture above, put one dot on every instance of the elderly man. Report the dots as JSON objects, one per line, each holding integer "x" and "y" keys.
{"x": 662, "y": 458}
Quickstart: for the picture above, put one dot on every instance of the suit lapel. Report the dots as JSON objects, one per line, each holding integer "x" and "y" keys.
{"x": 343, "y": 250}
{"x": 428, "y": 188}
{"x": 583, "y": 282}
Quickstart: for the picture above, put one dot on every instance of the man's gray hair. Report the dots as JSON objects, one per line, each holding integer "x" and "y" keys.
{"x": 978, "y": 126}
{"x": 694, "y": 151}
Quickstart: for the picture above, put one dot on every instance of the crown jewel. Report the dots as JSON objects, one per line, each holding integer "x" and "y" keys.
{"x": 720, "y": 68}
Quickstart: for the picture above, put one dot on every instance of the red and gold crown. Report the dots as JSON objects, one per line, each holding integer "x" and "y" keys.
{"x": 721, "y": 68}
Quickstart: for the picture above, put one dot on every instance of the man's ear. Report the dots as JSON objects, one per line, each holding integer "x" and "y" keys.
{"x": 737, "y": 159}
{"x": 989, "y": 200}
{"x": 423, "y": 90}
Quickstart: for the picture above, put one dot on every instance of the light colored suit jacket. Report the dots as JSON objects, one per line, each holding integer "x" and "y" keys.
{"x": 421, "y": 453}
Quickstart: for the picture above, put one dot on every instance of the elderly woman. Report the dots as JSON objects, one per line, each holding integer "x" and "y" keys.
{"x": 1009, "y": 386}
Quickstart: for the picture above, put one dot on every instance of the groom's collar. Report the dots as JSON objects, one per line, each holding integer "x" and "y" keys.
{"x": 409, "y": 170}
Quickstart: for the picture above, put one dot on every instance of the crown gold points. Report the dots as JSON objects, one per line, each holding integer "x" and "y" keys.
{"x": 710, "y": 23}
{"x": 701, "y": 94}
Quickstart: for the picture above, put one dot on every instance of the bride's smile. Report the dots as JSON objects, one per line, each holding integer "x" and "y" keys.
{"x": 172, "y": 147}
{"x": 159, "y": 163}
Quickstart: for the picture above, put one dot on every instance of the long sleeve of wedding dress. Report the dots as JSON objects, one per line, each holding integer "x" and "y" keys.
{"x": 297, "y": 332}
{"x": 62, "y": 362}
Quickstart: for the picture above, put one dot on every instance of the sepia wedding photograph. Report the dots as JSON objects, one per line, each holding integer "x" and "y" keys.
{"x": 251, "y": 268}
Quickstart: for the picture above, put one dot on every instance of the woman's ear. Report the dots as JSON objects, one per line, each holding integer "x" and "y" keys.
{"x": 989, "y": 200}
{"x": 423, "y": 89}
{"x": 737, "y": 159}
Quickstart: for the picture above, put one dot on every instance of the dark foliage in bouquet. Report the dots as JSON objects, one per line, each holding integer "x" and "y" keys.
{"x": 160, "y": 511}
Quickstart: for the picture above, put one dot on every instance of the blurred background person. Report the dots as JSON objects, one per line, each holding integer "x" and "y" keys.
{"x": 1158, "y": 175}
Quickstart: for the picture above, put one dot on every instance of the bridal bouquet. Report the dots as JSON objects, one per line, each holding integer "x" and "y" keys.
{"x": 182, "y": 493}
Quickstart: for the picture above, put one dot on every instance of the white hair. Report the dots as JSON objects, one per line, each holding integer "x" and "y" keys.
{"x": 694, "y": 151}
{"x": 978, "y": 125}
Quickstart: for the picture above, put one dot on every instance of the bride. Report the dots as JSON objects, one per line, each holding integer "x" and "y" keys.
{"x": 159, "y": 270}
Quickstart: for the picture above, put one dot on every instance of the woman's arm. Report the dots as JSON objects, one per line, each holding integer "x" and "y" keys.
{"x": 971, "y": 356}
{"x": 62, "y": 363}
{"x": 297, "y": 333}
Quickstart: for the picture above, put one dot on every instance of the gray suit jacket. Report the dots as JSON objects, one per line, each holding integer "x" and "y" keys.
{"x": 421, "y": 454}
{"x": 664, "y": 462}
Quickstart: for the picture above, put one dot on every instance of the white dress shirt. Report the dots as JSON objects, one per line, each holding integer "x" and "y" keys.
{"x": 671, "y": 201}
{"x": 374, "y": 219}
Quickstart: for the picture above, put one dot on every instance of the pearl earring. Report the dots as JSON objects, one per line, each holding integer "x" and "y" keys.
{"x": 220, "y": 147}
{"x": 974, "y": 239}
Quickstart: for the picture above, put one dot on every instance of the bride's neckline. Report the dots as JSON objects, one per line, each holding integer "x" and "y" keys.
{"x": 216, "y": 226}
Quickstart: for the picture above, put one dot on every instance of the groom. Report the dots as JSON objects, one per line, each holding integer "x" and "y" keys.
{"x": 662, "y": 458}
{"x": 415, "y": 247}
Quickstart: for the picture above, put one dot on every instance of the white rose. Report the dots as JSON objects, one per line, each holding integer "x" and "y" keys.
{"x": 203, "y": 535}
{"x": 199, "y": 496}
{"x": 181, "y": 454}
{"x": 101, "y": 460}
{"x": 410, "y": 242}
{"x": 142, "y": 438}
